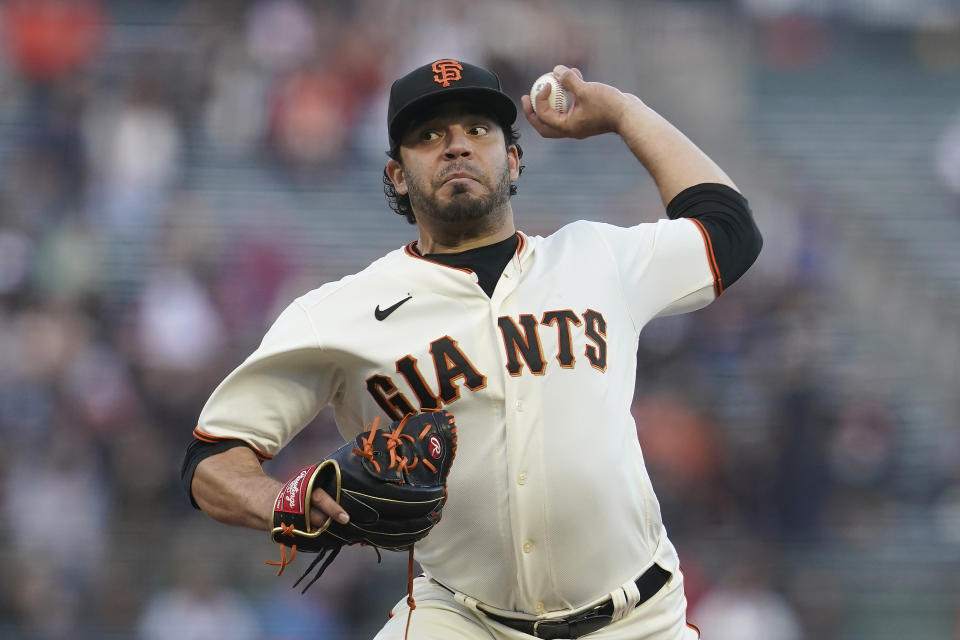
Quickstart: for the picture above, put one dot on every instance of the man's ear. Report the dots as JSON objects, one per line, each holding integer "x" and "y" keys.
{"x": 395, "y": 173}
{"x": 513, "y": 162}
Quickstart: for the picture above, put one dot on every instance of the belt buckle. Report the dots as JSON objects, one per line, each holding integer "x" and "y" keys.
{"x": 553, "y": 629}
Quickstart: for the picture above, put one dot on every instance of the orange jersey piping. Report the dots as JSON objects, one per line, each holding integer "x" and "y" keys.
{"x": 413, "y": 254}
{"x": 717, "y": 282}
{"x": 410, "y": 251}
{"x": 206, "y": 437}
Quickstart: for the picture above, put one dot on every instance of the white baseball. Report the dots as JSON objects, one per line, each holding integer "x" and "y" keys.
{"x": 557, "y": 97}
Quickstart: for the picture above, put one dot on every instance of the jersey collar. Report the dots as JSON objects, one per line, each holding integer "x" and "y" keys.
{"x": 412, "y": 251}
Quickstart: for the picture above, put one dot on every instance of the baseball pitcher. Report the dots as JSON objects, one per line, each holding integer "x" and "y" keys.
{"x": 483, "y": 377}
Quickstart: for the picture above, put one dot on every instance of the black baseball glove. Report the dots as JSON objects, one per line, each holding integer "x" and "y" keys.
{"x": 392, "y": 483}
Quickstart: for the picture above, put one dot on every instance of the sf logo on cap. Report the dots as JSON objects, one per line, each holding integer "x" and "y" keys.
{"x": 447, "y": 71}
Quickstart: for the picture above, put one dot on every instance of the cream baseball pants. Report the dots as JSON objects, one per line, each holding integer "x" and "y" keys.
{"x": 438, "y": 616}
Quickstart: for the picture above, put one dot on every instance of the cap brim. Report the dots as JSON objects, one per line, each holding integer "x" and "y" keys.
{"x": 489, "y": 101}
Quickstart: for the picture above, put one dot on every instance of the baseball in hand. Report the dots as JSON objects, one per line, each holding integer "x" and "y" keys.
{"x": 557, "y": 97}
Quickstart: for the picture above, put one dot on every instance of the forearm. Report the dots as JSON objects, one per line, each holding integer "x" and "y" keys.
{"x": 672, "y": 160}
{"x": 232, "y": 488}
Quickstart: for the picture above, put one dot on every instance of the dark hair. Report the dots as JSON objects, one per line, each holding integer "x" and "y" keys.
{"x": 401, "y": 203}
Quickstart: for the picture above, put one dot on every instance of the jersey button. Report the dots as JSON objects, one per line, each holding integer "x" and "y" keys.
{"x": 539, "y": 608}
{"x": 522, "y": 478}
{"x": 528, "y": 546}
{"x": 519, "y": 405}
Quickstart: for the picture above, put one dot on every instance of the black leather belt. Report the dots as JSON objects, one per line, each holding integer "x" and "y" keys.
{"x": 649, "y": 583}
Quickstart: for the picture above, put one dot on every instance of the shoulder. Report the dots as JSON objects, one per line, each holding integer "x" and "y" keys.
{"x": 592, "y": 241}
{"x": 593, "y": 234}
{"x": 581, "y": 229}
{"x": 326, "y": 311}
{"x": 370, "y": 278}
{"x": 577, "y": 231}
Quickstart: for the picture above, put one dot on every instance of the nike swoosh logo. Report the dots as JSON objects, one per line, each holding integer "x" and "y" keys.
{"x": 382, "y": 315}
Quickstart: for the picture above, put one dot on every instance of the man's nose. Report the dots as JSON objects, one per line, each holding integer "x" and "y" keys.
{"x": 458, "y": 144}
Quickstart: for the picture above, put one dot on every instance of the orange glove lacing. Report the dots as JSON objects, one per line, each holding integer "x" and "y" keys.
{"x": 284, "y": 560}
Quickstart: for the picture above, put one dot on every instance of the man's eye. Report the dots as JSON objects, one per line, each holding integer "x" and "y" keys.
{"x": 429, "y": 135}
{"x": 479, "y": 130}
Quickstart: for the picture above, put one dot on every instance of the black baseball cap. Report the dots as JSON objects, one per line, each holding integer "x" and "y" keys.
{"x": 443, "y": 80}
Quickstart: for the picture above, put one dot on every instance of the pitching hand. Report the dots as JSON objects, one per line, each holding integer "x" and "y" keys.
{"x": 597, "y": 108}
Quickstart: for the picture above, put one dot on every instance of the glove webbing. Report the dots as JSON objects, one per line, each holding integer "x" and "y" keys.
{"x": 393, "y": 441}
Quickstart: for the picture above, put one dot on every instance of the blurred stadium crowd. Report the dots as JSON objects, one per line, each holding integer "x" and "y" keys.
{"x": 173, "y": 173}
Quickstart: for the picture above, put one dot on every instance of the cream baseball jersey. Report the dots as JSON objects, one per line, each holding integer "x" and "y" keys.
{"x": 550, "y": 506}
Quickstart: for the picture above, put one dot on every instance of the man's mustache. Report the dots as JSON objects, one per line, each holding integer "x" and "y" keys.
{"x": 467, "y": 172}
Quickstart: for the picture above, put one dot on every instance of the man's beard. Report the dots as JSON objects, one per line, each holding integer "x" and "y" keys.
{"x": 462, "y": 206}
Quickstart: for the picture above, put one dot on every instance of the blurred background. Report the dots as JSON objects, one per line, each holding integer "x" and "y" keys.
{"x": 173, "y": 173}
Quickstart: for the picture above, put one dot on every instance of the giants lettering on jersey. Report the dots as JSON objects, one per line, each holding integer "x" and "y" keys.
{"x": 522, "y": 348}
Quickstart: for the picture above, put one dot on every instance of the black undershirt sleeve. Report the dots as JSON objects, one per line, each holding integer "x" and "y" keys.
{"x": 724, "y": 215}
{"x": 197, "y": 451}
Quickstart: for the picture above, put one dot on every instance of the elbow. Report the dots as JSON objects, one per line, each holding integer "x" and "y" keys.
{"x": 754, "y": 244}
{"x": 750, "y": 249}
{"x": 738, "y": 254}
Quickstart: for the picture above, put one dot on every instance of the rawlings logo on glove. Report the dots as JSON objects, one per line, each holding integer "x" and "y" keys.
{"x": 392, "y": 482}
{"x": 293, "y": 489}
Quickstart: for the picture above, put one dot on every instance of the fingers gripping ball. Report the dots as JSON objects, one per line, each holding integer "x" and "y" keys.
{"x": 392, "y": 482}
{"x": 557, "y": 97}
